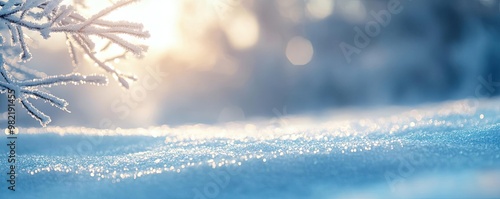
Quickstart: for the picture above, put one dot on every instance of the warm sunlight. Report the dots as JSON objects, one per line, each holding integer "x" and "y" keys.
{"x": 159, "y": 18}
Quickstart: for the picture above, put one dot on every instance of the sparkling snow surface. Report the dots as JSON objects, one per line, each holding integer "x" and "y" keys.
{"x": 448, "y": 150}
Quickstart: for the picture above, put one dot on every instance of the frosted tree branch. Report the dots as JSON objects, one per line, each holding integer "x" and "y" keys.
{"x": 48, "y": 17}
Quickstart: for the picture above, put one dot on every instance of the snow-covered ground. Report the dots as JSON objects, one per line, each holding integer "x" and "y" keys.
{"x": 446, "y": 150}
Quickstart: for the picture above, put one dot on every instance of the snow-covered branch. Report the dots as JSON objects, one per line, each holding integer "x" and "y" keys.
{"x": 48, "y": 17}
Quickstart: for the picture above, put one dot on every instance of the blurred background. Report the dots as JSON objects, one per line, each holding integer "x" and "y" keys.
{"x": 218, "y": 61}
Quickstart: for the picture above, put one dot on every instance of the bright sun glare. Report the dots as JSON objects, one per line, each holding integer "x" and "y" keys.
{"x": 159, "y": 18}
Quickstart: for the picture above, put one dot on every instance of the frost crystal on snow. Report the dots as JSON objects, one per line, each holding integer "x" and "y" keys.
{"x": 48, "y": 17}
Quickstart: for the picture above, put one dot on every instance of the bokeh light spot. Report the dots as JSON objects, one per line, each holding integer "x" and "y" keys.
{"x": 320, "y": 9}
{"x": 299, "y": 51}
{"x": 242, "y": 30}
